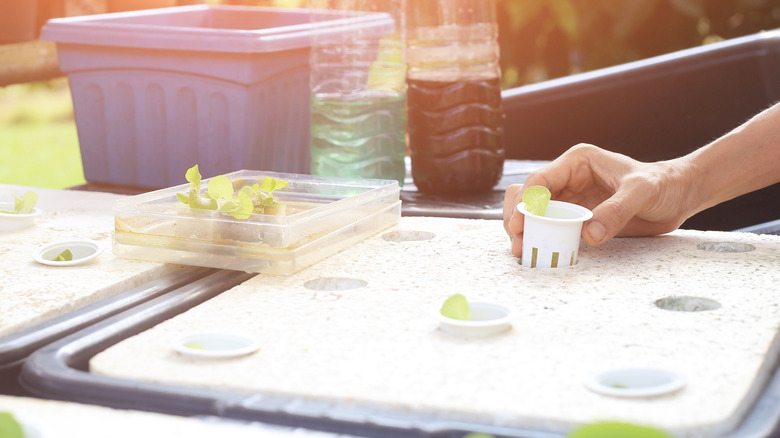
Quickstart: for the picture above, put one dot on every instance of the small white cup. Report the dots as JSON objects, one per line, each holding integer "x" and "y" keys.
{"x": 636, "y": 382}
{"x": 553, "y": 240}
{"x": 486, "y": 319}
{"x": 17, "y": 221}
{"x": 215, "y": 345}
{"x": 83, "y": 250}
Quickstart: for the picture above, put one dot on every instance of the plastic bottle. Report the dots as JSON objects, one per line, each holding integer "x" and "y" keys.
{"x": 358, "y": 90}
{"x": 455, "y": 118}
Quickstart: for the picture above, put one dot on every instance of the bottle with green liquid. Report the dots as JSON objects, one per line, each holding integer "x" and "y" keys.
{"x": 358, "y": 90}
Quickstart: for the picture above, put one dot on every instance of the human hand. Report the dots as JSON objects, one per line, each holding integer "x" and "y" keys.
{"x": 627, "y": 197}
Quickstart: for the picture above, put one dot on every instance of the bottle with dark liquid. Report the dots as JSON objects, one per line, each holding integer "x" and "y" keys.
{"x": 454, "y": 114}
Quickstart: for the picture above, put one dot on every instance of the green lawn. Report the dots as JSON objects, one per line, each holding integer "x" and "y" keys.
{"x": 38, "y": 142}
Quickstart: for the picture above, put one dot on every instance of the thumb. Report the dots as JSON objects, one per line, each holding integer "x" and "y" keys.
{"x": 611, "y": 216}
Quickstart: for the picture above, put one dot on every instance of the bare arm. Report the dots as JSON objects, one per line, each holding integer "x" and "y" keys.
{"x": 631, "y": 198}
{"x": 744, "y": 160}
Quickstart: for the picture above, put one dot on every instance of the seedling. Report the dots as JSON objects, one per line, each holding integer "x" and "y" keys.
{"x": 609, "y": 429}
{"x": 220, "y": 195}
{"x": 23, "y": 205}
{"x": 456, "y": 307}
{"x": 536, "y": 199}
{"x": 64, "y": 256}
{"x": 604, "y": 429}
{"x": 9, "y": 427}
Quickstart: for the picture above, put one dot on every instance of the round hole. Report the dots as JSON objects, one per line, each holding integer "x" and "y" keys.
{"x": 408, "y": 236}
{"x": 635, "y": 382}
{"x": 687, "y": 304}
{"x": 334, "y": 283}
{"x": 725, "y": 247}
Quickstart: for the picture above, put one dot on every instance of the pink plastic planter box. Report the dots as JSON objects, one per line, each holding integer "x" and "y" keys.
{"x": 157, "y": 91}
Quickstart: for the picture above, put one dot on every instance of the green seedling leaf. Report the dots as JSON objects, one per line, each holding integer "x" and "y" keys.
{"x": 27, "y": 203}
{"x": 264, "y": 201}
{"x": 220, "y": 187}
{"x": 536, "y": 199}
{"x": 195, "y": 346}
{"x": 456, "y": 307}
{"x": 64, "y": 256}
{"x": 201, "y": 202}
{"x": 193, "y": 176}
{"x": 249, "y": 191}
{"x": 245, "y": 206}
{"x": 9, "y": 427}
{"x": 270, "y": 184}
{"x": 184, "y": 199}
{"x": 240, "y": 208}
{"x": 22, "y": 205}
{"x": 269, "y": 202}
{"x": 193, "y": 198}
{"x": 616, "y": 430}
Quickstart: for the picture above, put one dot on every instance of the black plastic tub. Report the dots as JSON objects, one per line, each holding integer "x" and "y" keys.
{"x": 656, "y": 109}
{"x": 16, "y": 347}
{"x": 772, "y": 227}
{"x": 61, "y": 371}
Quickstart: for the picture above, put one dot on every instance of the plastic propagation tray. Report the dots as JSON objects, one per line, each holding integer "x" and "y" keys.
{"x": 324, "y": 215}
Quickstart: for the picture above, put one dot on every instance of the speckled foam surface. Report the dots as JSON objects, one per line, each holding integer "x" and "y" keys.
{"x": 30, "y": 292}
{"x": 54, "y": 419}
{"x": 379, "y": 347}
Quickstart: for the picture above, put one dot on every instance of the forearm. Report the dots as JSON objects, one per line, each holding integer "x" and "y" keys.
{"x": 744, "y": 160}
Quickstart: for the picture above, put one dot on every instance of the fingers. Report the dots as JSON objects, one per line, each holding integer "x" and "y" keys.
{"x": 556, "y": 176}
{"x": 589, "y": 176}
{"x": 612, "y": 215}
{"x": 513, "y": 219}
{"x": 627, "y": 197}
{"x": 512, "y": 197}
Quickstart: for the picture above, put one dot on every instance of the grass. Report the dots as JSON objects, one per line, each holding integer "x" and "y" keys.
{"x": 38, "y": 142}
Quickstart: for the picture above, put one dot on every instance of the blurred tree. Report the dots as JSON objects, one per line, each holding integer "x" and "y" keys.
{"x": 542, "y": 39}
{"x": 275, "y": 3}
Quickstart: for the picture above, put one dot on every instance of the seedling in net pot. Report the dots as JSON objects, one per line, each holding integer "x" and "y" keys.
{"x": 536, "y": 199}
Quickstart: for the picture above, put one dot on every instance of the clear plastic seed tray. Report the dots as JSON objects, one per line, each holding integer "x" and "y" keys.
{"x": 323, "y": 216}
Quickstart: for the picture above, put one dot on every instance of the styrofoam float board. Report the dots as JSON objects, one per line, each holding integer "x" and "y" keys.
{"x": 378, "y": 346}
